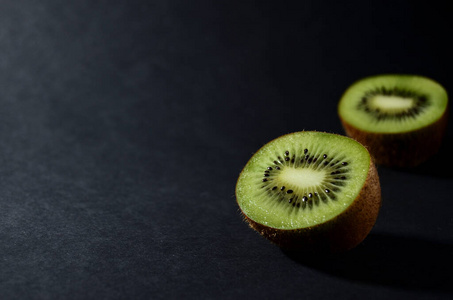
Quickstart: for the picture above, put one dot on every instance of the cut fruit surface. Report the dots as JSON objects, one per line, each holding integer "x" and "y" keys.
{"x": 302, "y": 179}
{"x": 310, "y": 191}
{"x": 393, "y": 103}
{"x": 395, "y": 117}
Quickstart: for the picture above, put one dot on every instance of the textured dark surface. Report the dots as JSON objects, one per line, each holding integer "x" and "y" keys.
{"x": 124, "y": 126}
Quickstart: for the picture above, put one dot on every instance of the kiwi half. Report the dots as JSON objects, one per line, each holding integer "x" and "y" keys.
{"x": 400, "y": 118}
{"x": 310, "y": 191}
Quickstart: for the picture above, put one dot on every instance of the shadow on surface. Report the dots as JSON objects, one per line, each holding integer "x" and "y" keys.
{"x": 392, "y": 261}
{"x": 439, "y": 165}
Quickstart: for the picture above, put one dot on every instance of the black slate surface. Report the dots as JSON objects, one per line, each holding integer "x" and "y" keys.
{"x": 124, "y": 126}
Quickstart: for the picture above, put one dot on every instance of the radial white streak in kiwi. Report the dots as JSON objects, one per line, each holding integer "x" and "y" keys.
{"x": 391, "y": 104}
{"x": 302, "y": 177}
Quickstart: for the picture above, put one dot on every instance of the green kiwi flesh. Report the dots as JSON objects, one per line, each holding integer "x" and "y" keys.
{"x": 400, "y": 118}
{"x": 310, "y": 191}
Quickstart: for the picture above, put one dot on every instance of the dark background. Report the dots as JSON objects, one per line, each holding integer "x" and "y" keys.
{"x": 124, "y": 126}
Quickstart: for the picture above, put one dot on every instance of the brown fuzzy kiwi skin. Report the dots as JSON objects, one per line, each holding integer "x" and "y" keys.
{"x": 339, "y": 234}
{"x": 403, "y": 150}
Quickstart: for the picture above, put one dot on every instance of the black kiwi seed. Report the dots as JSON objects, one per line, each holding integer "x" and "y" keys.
{"x": 265, "y": 179}
{"x": 286, "y": 158}
{"x": 344, "y": 163}
{"x": 327, "y": 190}
{"x": 269, "y": 168}
{"x": 289, "y": 191}
{"x": 324, "y": 156}
{"x": 287, "y": 153}
{"x": 291, "y": 199}
{"x": 304, "y": 198}
{"x": 282, "y": 188}
{"x": 305, "y": 151}
{"x": 266, "y": 175}
{"x": 274, "y": 188}
{"x": 310, "y": 195}
{"x": 278, "y": 168}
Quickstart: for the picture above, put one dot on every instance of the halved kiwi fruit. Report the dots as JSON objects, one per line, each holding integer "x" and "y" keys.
{"x": 400, "y": 118}
{"x": 311, "y": 191}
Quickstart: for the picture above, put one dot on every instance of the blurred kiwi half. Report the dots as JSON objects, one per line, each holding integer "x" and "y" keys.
{"x": 401, "y": 119}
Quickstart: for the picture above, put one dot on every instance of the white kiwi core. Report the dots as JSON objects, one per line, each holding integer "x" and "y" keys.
{"x": 393, "y": 104}
{"x": 302, "y": 178}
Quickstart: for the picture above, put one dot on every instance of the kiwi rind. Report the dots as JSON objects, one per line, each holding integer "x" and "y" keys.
{"x": 404, "y": 149}
{"x": 343, "y": 232}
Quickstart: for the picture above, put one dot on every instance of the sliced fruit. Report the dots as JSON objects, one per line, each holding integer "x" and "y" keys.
{"x": 400, "y": 118}
{"x": 311, "y": 191}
